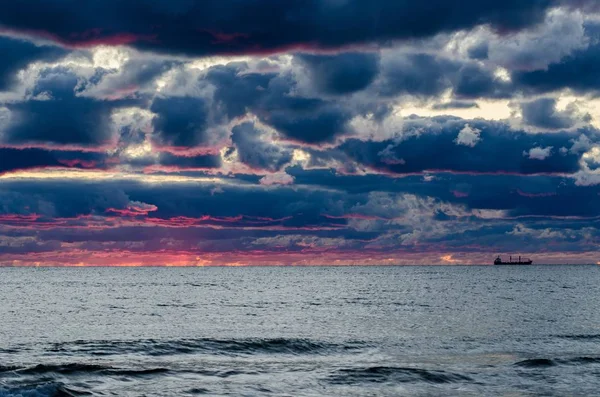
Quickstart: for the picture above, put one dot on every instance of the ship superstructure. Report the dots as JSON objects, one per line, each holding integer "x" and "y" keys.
{"x": 520, "y": 261}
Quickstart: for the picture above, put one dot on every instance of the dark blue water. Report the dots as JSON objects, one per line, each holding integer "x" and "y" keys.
{"x": 345, "y": 331}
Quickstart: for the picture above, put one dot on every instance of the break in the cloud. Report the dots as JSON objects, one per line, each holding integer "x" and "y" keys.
{"x": 319, "y": 132}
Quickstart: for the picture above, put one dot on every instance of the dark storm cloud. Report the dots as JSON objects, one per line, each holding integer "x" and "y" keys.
{"x": 281, "y": 102}
{"x": 256, "y": 151}
{"x": 17, "y": 54}
{"x": 479, "y": 51}
{"x": 195, "y": 201}
{"x": 318, "y": 198}
{"x": 577, "y": 71}
{"x": 310, "y": 121}
{"x": 185, "y": 121}
{"x": 206, "y": 161}
{"x": 235, "y": 26}
{"x": 22, "y": 159}
{"x": 523, "y": 196}
{"x": 61, "y": 200}
{"x": 55, "y": 114}
{"x": 14, "y": 159}
{"x": 237, "y": 91}
{"x": 543, "y": 113}
{"x": 473, "y": 81}
{"x": 341, "y": 74}
{"x": 181, "y": 121}
{"x": 427, "y": 75}
{"x": 526, "y": 197}
{"x": 299, "y": 118}
{"x": 416, "y": 74}
{"x": 459, "y": 146}
{"x": 191, "y": 204}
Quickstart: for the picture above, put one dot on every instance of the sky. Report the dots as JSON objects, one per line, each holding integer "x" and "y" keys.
{"x": 299, "y": 132}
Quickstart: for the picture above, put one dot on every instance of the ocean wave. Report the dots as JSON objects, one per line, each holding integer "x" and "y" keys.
{"x": 551, "y": 362}
{"x": 224, "y": 373}
{"x": 584, "y": 360}
{"x": 83, "y": 368}
{"x": 41, "y": 390}
{"x": 9, "y": 350}
{"x": 580, "y": 337}
{"x": 47, "y": 371}
{"x": 65, "y": 369}
{"x": 536, "y": 363}
{"x": 394, "y": 375}
{"x": 198, "y": 391}
{"x": 207, "y": 345}
{"x": 138, "y": 372}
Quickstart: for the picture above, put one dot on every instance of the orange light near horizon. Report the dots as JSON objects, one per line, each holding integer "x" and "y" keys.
{"x": 449, "y": 259}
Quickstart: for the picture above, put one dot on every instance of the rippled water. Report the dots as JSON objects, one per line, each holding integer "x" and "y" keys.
{"x": 351, "y": 331}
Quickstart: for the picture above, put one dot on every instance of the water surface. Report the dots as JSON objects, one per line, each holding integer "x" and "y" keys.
{"x": 281, "y": 331}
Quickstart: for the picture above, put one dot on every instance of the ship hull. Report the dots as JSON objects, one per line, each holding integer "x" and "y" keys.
{"x": 514, "y": 264}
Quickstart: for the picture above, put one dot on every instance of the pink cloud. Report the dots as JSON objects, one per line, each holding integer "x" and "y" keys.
{"x": 86, "y": 38}
{"x": 79, "y": 163}
{"x": 277, "y": 179}
{"x": 135, "y": 208}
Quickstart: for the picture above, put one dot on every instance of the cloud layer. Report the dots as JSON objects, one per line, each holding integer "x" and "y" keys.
{"x": 319, "y": 132}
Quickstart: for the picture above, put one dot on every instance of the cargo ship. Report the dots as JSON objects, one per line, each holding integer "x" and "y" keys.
{"x": 521, "y": 261}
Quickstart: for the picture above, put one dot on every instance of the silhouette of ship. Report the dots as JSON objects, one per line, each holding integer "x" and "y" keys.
{"x": 521, "y": 261}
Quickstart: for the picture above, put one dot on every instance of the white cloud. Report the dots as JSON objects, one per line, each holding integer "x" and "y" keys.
{"x": 524, "y": 231}
{"x": 538, "y": 153}
{"x": 468, "y": 136}
{"x": 587, "y": 178}
{"x": 581, "y": 144}
{"x": 592, "y": 155}
{"x": 490, "y": 214}
{"x": 110, "y": 57}
{"x": 416, "y": 214}
{"x": 216, "y": 190}
{"x": 368, "y": 127}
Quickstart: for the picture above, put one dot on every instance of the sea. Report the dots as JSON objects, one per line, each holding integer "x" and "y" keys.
{"x": 301, "y": 331}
